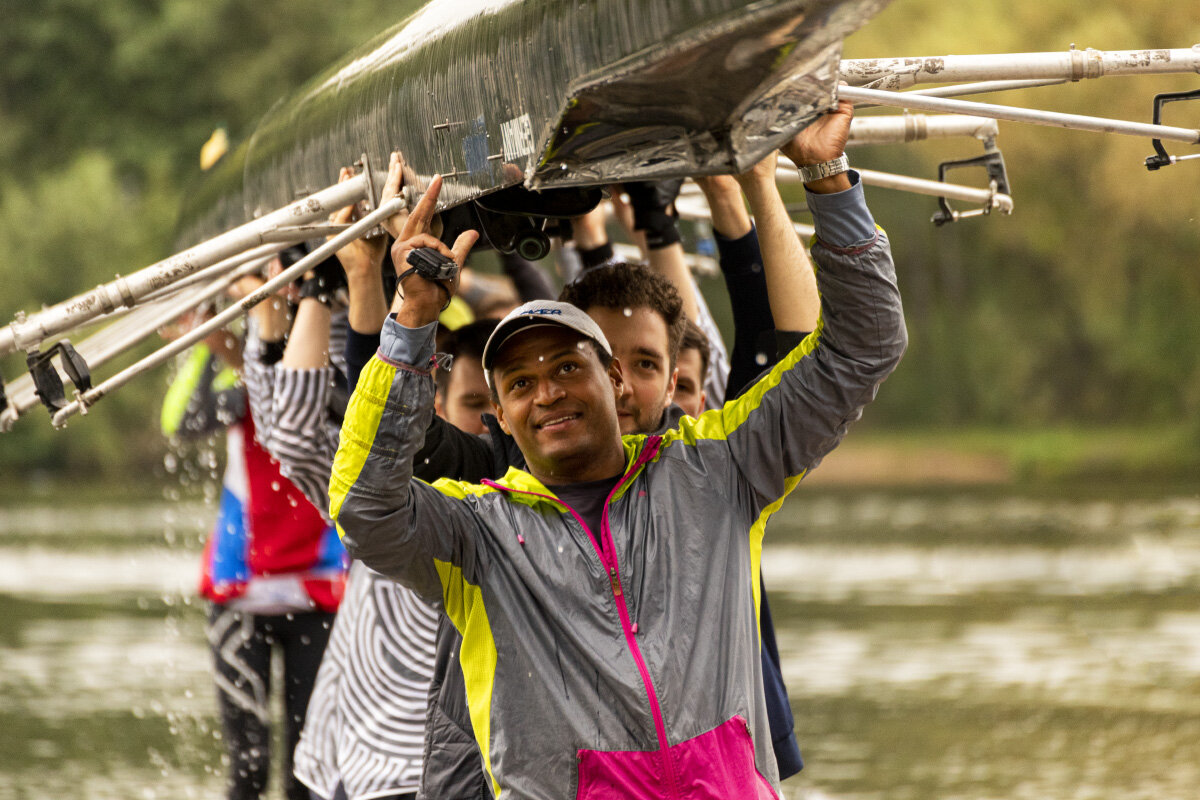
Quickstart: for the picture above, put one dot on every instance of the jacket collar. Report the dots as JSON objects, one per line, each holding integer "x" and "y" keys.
{"x": 524, "y": 487}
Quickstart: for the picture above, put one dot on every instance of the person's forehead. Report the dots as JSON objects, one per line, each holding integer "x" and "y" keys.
{"x": 466, "y": 374}
{"x": 640, "y": 325}
{"x": 689, "y": 358}
{"x": 537, "y": 342}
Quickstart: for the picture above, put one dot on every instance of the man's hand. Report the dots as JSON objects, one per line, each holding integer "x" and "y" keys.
{"x": 823, "y": 140}
{"x": 363, "y": 257}
{"x": 420, "y": 301}
{"x": 392, "y": 188}
{"x": 653, "y": 205}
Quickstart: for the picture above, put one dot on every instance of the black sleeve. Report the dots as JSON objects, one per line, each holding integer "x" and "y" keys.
{"x": 530, "y": 280}
{"x": 786, "y": 342}
{"x": 753, "y": 326}
{"x": 450, "y": 453}
{"x": 359, "y": 349}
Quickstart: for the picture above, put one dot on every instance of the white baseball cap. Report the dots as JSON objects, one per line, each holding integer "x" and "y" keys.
{"x": 536, "y": 314}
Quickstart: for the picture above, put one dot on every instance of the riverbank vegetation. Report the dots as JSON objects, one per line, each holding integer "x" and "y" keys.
{"x": 1061, "y": 339}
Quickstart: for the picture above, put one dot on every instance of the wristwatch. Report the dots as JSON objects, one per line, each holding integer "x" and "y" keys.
{"x": 826, "y": 169}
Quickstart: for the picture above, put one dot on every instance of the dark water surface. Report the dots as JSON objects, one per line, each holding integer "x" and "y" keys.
{"x": 937, "y": 645}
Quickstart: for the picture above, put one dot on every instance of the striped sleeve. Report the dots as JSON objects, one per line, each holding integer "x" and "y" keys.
{"x": 259, "y": 378}
{"x": 292, "y": 421}
{"x": 301, "y": 437}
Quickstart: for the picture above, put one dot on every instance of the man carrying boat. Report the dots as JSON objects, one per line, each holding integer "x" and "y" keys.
{"x": 611, "y": 644}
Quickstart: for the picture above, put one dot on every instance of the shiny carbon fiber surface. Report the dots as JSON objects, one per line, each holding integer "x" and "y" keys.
{"x": 549, "y": 93}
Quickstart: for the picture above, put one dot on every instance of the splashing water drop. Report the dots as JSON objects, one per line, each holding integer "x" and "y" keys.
{"x": 274, "y": 486}
{"x": 760, "y": 359}
{"x": 628, "y": 312}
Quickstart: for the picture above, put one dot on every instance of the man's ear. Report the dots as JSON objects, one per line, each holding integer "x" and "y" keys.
{"x": 671, "y": 384}
{"x": 617, "y": 376}
{"x": 499, "y": 412}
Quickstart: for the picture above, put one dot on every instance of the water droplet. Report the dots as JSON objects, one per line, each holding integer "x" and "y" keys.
{"x": 274, "y": 486}
{"x": 628, "y": 312}
{"x": 760, "y": 359}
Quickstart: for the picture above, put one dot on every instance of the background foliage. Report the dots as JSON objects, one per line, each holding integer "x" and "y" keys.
{"x": 1080, "y": 308}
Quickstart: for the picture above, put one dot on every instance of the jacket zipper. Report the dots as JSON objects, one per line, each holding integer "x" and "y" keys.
{"x": 648, "y": 452}
{"x": 614, "y": 576}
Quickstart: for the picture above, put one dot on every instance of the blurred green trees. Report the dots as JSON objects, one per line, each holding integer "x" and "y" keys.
{"x": 1083, "y": 306}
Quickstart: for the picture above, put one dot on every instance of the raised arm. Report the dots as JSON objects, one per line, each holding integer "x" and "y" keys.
{"x": 395, "y": 525}
{"x": 447, "y": 451}
{"x": 787, "y": 421}
{"x": 791, "y": 285}
{"x": 741, "y": 262}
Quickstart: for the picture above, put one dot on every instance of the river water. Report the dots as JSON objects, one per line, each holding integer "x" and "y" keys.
{"x": 938, "y": 645}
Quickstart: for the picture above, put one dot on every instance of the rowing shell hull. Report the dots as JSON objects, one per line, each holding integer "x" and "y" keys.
{"x": 546, "y": 93}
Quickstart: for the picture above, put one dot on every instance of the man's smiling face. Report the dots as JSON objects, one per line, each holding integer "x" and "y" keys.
{"x": 558, "y": 401}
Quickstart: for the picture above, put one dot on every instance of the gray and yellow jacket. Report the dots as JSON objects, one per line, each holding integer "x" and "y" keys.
{"x": 624, "y": 661}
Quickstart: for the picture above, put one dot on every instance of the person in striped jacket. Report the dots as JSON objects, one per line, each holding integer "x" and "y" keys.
{"x": 273, "y": 571}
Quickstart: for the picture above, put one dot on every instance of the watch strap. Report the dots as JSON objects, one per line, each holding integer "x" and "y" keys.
{"x": 825, "y": 169}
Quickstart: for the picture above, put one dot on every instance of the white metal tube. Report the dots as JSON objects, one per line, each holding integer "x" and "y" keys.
{"x": 103, "y": 346}
{"x": 905, "y": 183}
{"x": 980, "y": 87}
{"x": 22, "y": 393}
{"x": 1034, "y": 116}
{"x": 951, "y": 191}
{"x": 302, "y": 233}
{"x": 29, "y": 332}
{"x": 354, "y": 231}
{"x": 217, "y": 270}
{"x": 171, "y": 311}
{"x": 916, "y": 127}
{"x": 984, "y": 87}
{"x": 1071, "y": 65}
